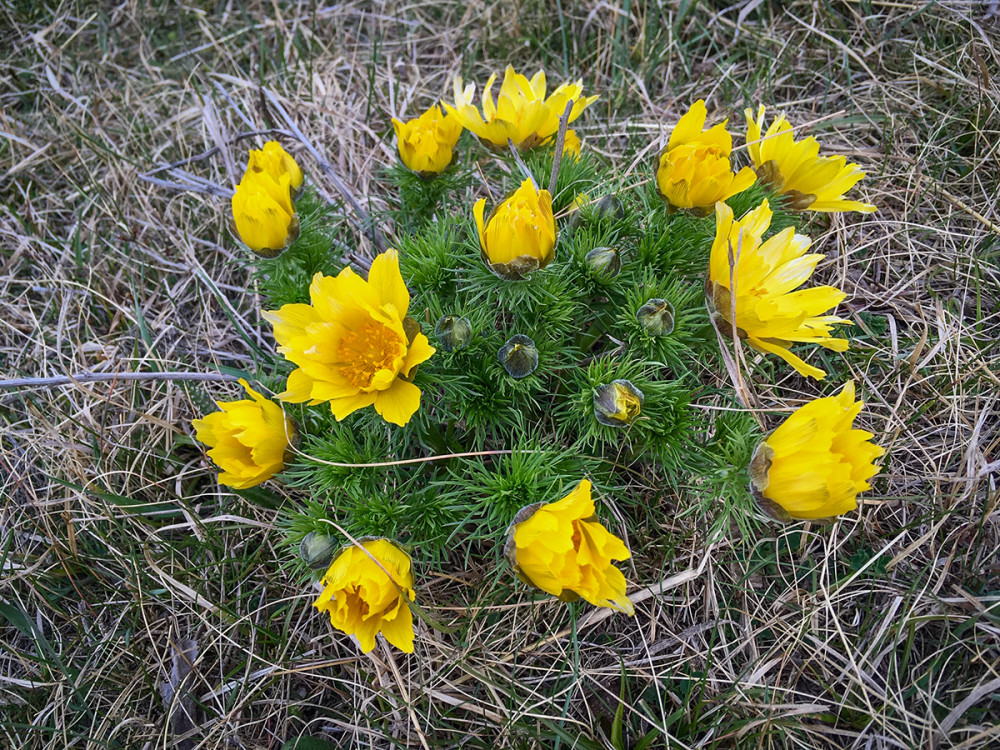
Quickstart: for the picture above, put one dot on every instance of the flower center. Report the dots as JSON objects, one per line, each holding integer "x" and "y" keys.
{"x": 356, "y": 601}
{"x": 577, "y": 536}
{"x": 365, "y": 352}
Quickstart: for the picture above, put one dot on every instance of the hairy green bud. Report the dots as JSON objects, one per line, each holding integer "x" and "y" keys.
{"x": 604, "y": 261}
{"x": 519, "y": 356}
{"x": 317, "y": 550}
{"x": 453, "y": 332}
{"x": 657, "y": 317}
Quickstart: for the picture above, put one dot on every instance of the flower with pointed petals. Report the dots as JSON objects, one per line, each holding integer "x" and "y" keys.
{"x": 426, "y": 143}
{"x": 519, "y": 236}
{"x": 263, "y": 213}
{"x": 769, "y": 314}
{"x": 276, "y": 162}
{"x": 367, "y": 588}
{"x": 562, "y": 549}
{"x": 814, "y": 465}
{"x": 694, "y": 171}
{"x": 247, "y": 438}
{"x": 521, "y": 112}
{"x": 795, "y": 168}
{"x": 354, "y": 345}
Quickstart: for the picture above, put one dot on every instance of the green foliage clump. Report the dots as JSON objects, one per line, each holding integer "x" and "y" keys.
{"x": 622, "y": 300}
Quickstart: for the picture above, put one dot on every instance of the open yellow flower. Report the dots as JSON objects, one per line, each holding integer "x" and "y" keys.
{"x": 247, "y": 439}
{"x": 263, "y": 213}
{"x": 769, "y": 315}
{"x": 426, "y": 142}
{"x": 795, "y": 168}
{"x": 354, "y": 345}
{"x": 562, "y": 549}
{"x": 276, "y": 162}
{"x": 521, "y": 111}
{"x": 366, "y": 596}
{"x": 519, "y": 236}
{"x": 814, "y": 465}
{"x": 694, "y": 171}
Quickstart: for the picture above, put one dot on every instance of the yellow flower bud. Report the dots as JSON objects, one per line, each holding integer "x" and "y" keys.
{"x": 814, "y": 465}
{"x": 276, "y": 162}
{"x": 617, "y": 404}
{"x": 247, "y": 438}
{"x": 368, "y": 588}
{"x": 519, "y": 236}
{"x": 426, "y": 142}
{"x": 694, "y": 170}
{"x": 263, "y": 213}
{"x": 561, "y": 548}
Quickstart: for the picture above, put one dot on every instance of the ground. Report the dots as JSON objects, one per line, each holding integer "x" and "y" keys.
{"x": 123, "y": 560}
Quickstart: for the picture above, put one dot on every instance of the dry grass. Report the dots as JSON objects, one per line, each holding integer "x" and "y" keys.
{"x": 117, "y": 546}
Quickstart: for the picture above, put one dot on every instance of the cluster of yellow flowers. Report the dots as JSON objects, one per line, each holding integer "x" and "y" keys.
{"x": 354, "y": 345}
{"x": 752, "y": 282}
{"x": 695, "y": 173}
{"x": 814, "y": 465}
{"x": 521, "y": 114}
{"x": 559, "y": 548}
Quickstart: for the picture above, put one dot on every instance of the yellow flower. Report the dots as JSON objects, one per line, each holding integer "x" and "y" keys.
{"x": 519, "y": 236}
{"x": 426, "y": 142}
{"x": 276, "y": 162}
{"x": 572, "y": 146}
{"x": 796, "y": 169}
{"x": 247, "y": 438}
{"x": 562, "y": 549}
{"x": 814, "y": 465}
{"x": 770, "y": 316}
{"x": 521, "y": 112}
{"x": 694, "y": 170}
{"x": 366, "y": 596}
{"x": 263, "y": 213}
{"x": 354, "y": 345}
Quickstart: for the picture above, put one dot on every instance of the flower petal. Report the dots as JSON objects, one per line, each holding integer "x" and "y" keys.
{"x": 398, "y": 403}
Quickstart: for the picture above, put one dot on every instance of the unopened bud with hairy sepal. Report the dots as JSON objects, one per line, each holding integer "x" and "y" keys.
{"x": 519, "y": 356}
{"x": 657, "y": 317}
{"x": 617, "y": 404}
{"x": 604, "y": 261}
{"x": 453, "y": 332}
{"x": 609, "y": 207}
{"x": 317, "y": 550}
